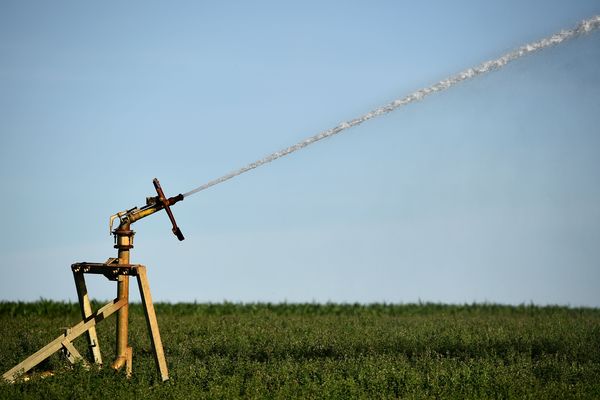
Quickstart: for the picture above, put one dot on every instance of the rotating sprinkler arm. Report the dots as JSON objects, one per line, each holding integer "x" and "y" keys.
{"x": 153, "y": 204}
{"x": 166, "y": 203}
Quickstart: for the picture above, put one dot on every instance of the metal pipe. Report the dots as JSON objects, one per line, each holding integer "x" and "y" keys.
{"x": 154, "y": 205}
{"x": 124, "y": 242}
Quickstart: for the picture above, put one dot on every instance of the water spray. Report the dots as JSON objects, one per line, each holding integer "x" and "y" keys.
{"x": 584, "y": 27}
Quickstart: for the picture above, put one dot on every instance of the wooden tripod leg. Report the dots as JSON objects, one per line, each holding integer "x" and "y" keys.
{"x": 157, "y": 347}
{"x": 86, "y": 311}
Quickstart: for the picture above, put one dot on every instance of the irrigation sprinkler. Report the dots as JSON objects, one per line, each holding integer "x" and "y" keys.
{"x": 115, "y": 269}
{"x": 119, "y": 269}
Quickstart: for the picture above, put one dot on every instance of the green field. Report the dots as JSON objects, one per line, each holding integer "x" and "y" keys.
{"x": 321, "y": 351}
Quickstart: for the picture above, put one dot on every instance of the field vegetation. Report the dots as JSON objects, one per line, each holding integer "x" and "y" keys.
{"x": 285, "y": 351}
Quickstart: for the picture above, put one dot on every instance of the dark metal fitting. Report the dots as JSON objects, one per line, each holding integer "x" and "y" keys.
{"x": 123, "y": 246}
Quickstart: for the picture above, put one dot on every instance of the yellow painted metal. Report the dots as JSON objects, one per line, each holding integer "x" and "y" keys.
{"x": 124, "y": 238}
{"x": 124, "y": 242}
{"x": 144, "y": 212}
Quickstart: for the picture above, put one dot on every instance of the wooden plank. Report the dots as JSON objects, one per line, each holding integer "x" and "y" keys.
{"x": 57, "y": 343}
{"x": 71, "y": 352}
{"x": 86, "y": 311}
{"x": 157, "y": 347}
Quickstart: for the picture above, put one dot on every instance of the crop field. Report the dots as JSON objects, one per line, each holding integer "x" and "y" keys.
{"x": 319, "y": 351}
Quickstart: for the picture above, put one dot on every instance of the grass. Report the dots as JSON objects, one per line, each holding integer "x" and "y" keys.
{"x": 321, "y": 351}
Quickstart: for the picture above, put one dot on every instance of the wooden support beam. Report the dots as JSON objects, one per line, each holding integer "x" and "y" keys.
{"x": 86, "y": 311}
{"x": 157, "y": 347}
{"x": 71, "y": 352}
{"x": 57, "y": 343}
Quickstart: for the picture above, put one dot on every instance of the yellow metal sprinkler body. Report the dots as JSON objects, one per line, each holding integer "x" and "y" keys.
{"x": 123, "y": 243}
{"x": 115, "y": 269}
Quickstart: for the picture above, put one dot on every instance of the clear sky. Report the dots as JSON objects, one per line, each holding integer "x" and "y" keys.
{"x": 487, "y": 192}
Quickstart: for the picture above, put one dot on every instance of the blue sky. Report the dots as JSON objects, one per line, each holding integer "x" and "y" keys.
{"x": 487, "y": 192}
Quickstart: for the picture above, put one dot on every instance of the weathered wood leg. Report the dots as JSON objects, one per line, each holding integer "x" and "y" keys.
{"x": 86, "y": 311}
{"x": 157, "y": 347}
